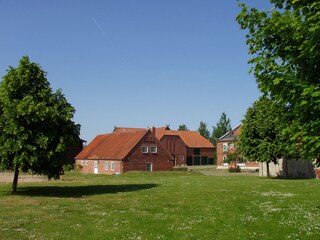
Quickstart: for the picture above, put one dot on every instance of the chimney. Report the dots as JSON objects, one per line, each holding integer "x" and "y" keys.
{"x": 154, "y": 130}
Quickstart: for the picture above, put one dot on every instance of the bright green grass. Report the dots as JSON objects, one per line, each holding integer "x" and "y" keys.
{"x": 167, "y": 205}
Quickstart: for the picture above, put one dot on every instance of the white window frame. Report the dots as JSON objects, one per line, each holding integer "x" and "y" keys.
{"x": 231, "y": 145}
{"x": 106, "y": 165}
{"x": 154, "y": 149}
{"x": 181, "y": 158}
{"x": 86, "y": 163}
{"x": 151, "y": 166}
{"x": 225, "y": 147}
{"x": 113, "y": 167}
{"x": 82, "y": 163}
{"x": 144, "y": 149}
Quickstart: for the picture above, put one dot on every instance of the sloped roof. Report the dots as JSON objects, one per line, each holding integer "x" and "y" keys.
{"x": 116, "y": 145}
{"x": 126, "y": 129}
{"x": 191, "y": 138}
{"x": 231, "y": 135}
{"x": 159, "y": 132}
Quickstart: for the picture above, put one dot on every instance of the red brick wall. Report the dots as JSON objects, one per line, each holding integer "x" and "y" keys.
{"x": 221, "y": 154}
{"x": 88, "y": 166}
{"x": 136, "y": 160}
{"x": 177, "y": 149}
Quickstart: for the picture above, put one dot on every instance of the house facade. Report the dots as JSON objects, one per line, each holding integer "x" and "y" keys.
{"x": 124, "y": 150}
{"x": 227, "y": 144}
{"x": 186, "y": 147}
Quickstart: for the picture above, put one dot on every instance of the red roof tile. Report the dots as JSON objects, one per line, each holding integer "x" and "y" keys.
{"x": 191, "y": 138}
{"x": 125, "y": 129}
{"x": 159, "y": 132}
{"x": 116, "y": 145}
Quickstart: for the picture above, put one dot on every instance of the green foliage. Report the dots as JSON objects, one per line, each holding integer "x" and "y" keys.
{"x": 183, "y": 127}
{"x": 233, "y": 157}
{"x": 221, "y": 128}
{"x": 68, "y": 167}
{"x": 203, "y": 130}
{"x": 36, "y": 124}
{"x": 261, "y": 136}
{"x": 285, "y": 49}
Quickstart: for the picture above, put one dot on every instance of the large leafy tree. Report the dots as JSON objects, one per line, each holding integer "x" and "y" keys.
{"x": 203, "y": 130}
{"x": 285, "y": 49}
{"x": 261, "y": 136}
{"x": 222, "y": 127}
{"x": 36, "y": 124}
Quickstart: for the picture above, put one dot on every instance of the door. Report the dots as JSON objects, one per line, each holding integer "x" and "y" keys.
{"x": 149, "y": 167}
{"x": 95, "y": 167}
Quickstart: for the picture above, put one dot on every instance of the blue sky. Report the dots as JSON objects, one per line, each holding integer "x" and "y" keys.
{"x": 135, "y": 63}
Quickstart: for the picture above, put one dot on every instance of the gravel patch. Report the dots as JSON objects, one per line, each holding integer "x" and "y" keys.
{"x": 6, "y": 177}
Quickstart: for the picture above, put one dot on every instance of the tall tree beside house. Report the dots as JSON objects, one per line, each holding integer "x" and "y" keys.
{"x": 221, "y": 128}
{"x": 285, "y": 49}
{"x": 183, "y": 127}
{"x": 36, "y": 124}
{"x": 203, "y": 130}
{"x": 261, "y": 136}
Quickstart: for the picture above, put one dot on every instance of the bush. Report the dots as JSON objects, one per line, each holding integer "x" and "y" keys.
{"x": 78, "y": 167}
{"x": 67, "y": 167}
{"x": 234, "y": 169}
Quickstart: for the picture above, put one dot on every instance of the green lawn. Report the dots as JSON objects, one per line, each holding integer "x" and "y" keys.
{"x": 167, "y": 205}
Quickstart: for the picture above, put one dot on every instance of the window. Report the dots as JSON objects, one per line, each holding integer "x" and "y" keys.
{"x": 181, "y": 158}
{"x": 112, "y": 166}
{"x": 154, "y": 149}
{"x": 231, "y": 145}
{"x": 225, "y": 147}
{"x": 86, "y": 163}
{"x": 106, "y": 165}
{"x": 82, "y": 163}
{"x": 144, "y": 149}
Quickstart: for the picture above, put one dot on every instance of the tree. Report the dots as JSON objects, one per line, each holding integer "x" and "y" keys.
{"x": 285, "y": 49}
{"x": 203, "y": 130}
{"x": 261, "y": 134}
{"x": 36, "y": 124}
{"x": 183, "y": 127}
{"x": 222, "y": 127}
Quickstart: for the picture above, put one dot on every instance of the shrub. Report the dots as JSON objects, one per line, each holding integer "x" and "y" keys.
{"x": 78, "y": 167}
{"x": 234, "y": 169}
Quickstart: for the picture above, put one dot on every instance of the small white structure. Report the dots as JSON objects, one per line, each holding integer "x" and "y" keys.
{"x": 288, "y": 168}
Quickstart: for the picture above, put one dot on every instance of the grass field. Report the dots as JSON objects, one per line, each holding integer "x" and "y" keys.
{"x": 166, "y": 205}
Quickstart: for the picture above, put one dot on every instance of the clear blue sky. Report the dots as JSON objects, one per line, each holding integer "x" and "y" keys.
{"x": 135, "y": 63}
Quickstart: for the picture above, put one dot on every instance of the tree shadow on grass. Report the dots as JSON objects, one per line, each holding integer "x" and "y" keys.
{"x": 80, "y": 191}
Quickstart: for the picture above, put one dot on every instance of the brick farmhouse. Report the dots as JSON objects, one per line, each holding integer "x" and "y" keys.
{"x": 144, "y": 149}
{"x": 228, "y": 144}
{"x": 123, "y": 151}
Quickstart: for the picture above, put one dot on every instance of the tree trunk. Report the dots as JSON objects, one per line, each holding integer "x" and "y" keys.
{"x": 15, "y": 180}
{"x": 268, "y": 170}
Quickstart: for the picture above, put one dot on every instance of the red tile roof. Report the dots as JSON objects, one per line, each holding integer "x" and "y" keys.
{"x": 159, "y": 132}
{"x": 191, "y": 138}
{"x": 125, "y": 129}
{"x": 116, "y": 145}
